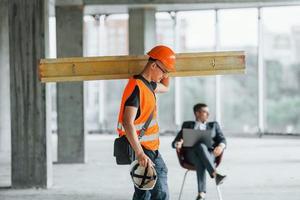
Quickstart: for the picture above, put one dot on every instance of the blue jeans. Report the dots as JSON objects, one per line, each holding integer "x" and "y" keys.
{"x": 160, "y": 190}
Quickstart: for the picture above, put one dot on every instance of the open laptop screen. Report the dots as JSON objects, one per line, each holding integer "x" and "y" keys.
{"x": 192, "y": 136}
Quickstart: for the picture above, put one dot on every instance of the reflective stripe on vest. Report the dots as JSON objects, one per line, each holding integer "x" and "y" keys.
{"x": 151, "y": 137}
{"x": 138, "y": 127}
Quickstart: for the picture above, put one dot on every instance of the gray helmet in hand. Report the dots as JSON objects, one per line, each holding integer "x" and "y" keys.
{"x": 144, "y": 178}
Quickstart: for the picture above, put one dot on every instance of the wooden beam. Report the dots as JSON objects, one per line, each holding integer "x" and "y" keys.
{"x": 122, "y": 67}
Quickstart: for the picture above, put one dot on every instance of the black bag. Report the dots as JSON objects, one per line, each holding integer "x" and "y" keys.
{"x": 123, "y": 151}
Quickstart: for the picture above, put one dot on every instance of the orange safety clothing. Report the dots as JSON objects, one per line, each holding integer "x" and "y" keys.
{"x": 150, "y": 140}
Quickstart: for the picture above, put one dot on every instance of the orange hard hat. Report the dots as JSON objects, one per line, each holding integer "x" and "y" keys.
{"x": 165, "y": 55}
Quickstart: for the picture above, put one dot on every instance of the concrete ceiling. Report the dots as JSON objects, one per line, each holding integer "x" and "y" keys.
{"x": 92, "y": 7}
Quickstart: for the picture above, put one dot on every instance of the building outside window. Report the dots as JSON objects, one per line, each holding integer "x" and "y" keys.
{"x": 281, "y": 33}
{"x": 238, "y": 30}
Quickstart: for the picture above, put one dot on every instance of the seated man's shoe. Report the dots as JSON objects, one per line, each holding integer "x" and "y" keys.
{"x": 199, "y": 197}
{"x": 220, "y": 179}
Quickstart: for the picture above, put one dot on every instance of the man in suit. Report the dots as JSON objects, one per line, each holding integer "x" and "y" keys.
{"x": 200, "y": 155}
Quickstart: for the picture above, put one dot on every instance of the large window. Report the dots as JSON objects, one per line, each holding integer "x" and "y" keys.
{"x": 197, "y": 34}
{"x": 185, "y": 34}
{"x": 208, "y": 30}
{"x": 238, "y": 30}
{"x": 105, "y": 36}
{"x": 281, "y": 41}
{"x": 51, "y": 87}
{"x": 166, "y": 101}
{"x": 117, "y": 44}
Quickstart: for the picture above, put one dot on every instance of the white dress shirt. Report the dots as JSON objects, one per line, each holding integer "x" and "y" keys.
{"x": 200, "y": 125}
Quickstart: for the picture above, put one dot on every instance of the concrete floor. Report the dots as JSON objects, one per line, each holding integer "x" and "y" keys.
{"x": 257, "y": 168}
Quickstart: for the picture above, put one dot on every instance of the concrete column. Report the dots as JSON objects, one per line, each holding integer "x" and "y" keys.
{"x": 5, "y": 144}
{"x": 142, "y": 30}
{"x": 28, "y": 111}
{"x": 70, "y": 105}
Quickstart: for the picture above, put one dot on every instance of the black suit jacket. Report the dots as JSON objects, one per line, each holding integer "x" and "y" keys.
{"x": 217, "y": 138}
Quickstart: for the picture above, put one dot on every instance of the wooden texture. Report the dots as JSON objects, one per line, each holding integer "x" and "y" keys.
{"x": 121, "y": 67}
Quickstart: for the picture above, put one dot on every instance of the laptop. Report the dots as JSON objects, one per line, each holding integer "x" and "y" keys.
{"x": 192, "y": 136}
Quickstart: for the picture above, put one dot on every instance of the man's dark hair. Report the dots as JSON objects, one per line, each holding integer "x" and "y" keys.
{"x": 198, "y": 107}
{"x": 151, "y": 59}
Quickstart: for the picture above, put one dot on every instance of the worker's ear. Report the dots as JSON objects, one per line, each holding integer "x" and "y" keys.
{"x": 152, "y": 65}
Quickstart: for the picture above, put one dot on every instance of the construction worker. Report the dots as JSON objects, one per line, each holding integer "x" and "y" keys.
{"x": 138, "y": 102}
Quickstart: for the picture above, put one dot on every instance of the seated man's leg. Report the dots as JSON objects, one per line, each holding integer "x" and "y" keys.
{"x": 206, "y": 157}
{"x": 201, "y": 177}
{"x": 160, "y": 190}
{"x": 200, "y": 169}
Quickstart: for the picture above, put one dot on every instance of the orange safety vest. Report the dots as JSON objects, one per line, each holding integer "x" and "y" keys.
{"x": 150, "y": 140}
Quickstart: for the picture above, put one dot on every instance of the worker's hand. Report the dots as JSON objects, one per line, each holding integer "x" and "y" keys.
{"x": 218, "y": 150}
{"x": 144, "y": 160}
{"x": 178, "y": 145}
